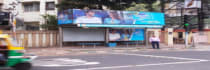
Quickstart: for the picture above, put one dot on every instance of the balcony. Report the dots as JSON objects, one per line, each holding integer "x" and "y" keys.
{"x": 32, "y": 16}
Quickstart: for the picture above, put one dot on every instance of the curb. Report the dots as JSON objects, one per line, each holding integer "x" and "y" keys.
{"x": 62, "y": 52}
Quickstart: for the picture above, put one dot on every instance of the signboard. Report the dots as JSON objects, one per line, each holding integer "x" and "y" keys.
{"x": 192, "y": 4}
{"x": 77, "y": 16}
{"x": 126, "y": 35}
{"x": 146, "y": 18}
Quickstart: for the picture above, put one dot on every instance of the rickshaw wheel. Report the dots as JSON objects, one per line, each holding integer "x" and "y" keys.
{"x": 23, "y": 66}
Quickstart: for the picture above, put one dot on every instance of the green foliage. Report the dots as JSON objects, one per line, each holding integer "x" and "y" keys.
{"x": 138, "y": 7}
{"x": 145, "y": 6}
{"x": 50, "y": 22}
{"x": 95, "y": 4}
{"x": 156, "y": 6}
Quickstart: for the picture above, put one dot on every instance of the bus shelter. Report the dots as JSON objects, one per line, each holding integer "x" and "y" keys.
{"x": 108, "y": 27}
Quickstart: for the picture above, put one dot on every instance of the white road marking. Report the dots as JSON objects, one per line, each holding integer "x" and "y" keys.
{"x": 57, "y": 65}
{"x": 142, "y": 65}
{"x": 191, "y": 60}
{"x": 165, "y": 57}
{"x": 62, "y": 62}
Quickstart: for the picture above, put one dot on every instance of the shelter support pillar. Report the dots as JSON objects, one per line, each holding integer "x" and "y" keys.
{"x": 60, "y": 36}
{"x": 107, "y": 36}
{"x": 146, "y": 37}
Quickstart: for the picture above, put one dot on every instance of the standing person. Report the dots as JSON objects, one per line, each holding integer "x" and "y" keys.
{"x": 155, "y": 41}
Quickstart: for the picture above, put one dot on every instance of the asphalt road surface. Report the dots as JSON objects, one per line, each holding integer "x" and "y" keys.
{"x": 145, "y": 60}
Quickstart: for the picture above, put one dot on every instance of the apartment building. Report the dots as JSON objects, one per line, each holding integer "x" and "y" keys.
{"x": 173, "y": 9}
{"x": 1, "y": 4}
{"x": 29, "y": 12}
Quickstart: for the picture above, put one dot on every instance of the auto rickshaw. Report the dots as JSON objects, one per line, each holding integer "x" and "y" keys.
{"x": 13, "y": 55}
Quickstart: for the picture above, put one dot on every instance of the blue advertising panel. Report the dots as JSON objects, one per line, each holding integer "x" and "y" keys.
{"x": 65, "y": 17}
{"x": 113, "y": 17}
{"x": 137, "y": 34}
{"x": 126, "y": 35}
{"x": 143, "y": 18}
{"x": 78, "y": 16}
{"x": 87, "y": 16}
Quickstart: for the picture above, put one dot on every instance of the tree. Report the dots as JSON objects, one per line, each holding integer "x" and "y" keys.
{"x": 149, "y": 3}
{"x": 143, "y": 6}
{"x": 138, "y": 7}
{"x": 95, "y": 4}
{"x": 50, "y": 22}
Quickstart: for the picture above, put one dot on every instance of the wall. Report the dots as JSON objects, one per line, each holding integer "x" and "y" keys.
{"x": 206, "y": 33}
{"x": 36, "y": 38}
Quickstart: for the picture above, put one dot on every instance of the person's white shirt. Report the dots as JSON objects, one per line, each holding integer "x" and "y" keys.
{"x": 85, "y": 19}
{"x": 114, "y": 36}
{"x": 154, "y": 39}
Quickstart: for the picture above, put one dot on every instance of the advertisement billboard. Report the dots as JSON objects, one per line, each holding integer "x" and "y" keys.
{"x": 78, "y": 16}
{"x": 126, "y": 35}
{"x": 146, "y": 18}
{"x": 65, "y": 17}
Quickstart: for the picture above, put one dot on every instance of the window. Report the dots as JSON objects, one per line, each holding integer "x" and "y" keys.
{"x": 50, "y": 6}
{"x": 180, "y": 35}
{"x": 29, "y": 27}
{"x": 32, "y": 25}
{"x": 32, "y": 7}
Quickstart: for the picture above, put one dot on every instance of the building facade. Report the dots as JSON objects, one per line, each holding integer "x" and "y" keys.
{"x": 176, "y": 9}
{"x": 1, "y": 4}
{"x": 29, "y": 13}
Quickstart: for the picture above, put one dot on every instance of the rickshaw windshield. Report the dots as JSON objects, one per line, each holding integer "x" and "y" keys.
{"x": 15, "y": 43}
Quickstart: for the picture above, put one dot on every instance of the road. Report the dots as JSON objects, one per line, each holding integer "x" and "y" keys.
{"x": 152, "y": 60}
{"x": 144, "y": 60}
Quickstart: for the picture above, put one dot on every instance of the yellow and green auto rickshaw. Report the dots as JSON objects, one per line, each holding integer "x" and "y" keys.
{"x": 12, "y": 55}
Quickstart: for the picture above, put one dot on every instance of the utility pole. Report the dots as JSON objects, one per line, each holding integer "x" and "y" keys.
{"x": 186, "y": 27}
{"x": 200, "y": 18}
{"x": 13, "y": 14}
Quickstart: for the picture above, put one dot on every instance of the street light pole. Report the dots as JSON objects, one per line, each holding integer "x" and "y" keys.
{"x": 13, "y": 16}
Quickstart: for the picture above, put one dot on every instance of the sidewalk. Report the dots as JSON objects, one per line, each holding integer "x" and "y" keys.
{"x": 57, "y": 51}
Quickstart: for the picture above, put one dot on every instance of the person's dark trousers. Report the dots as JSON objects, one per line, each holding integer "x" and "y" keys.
{"x": 155, "y": 43}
